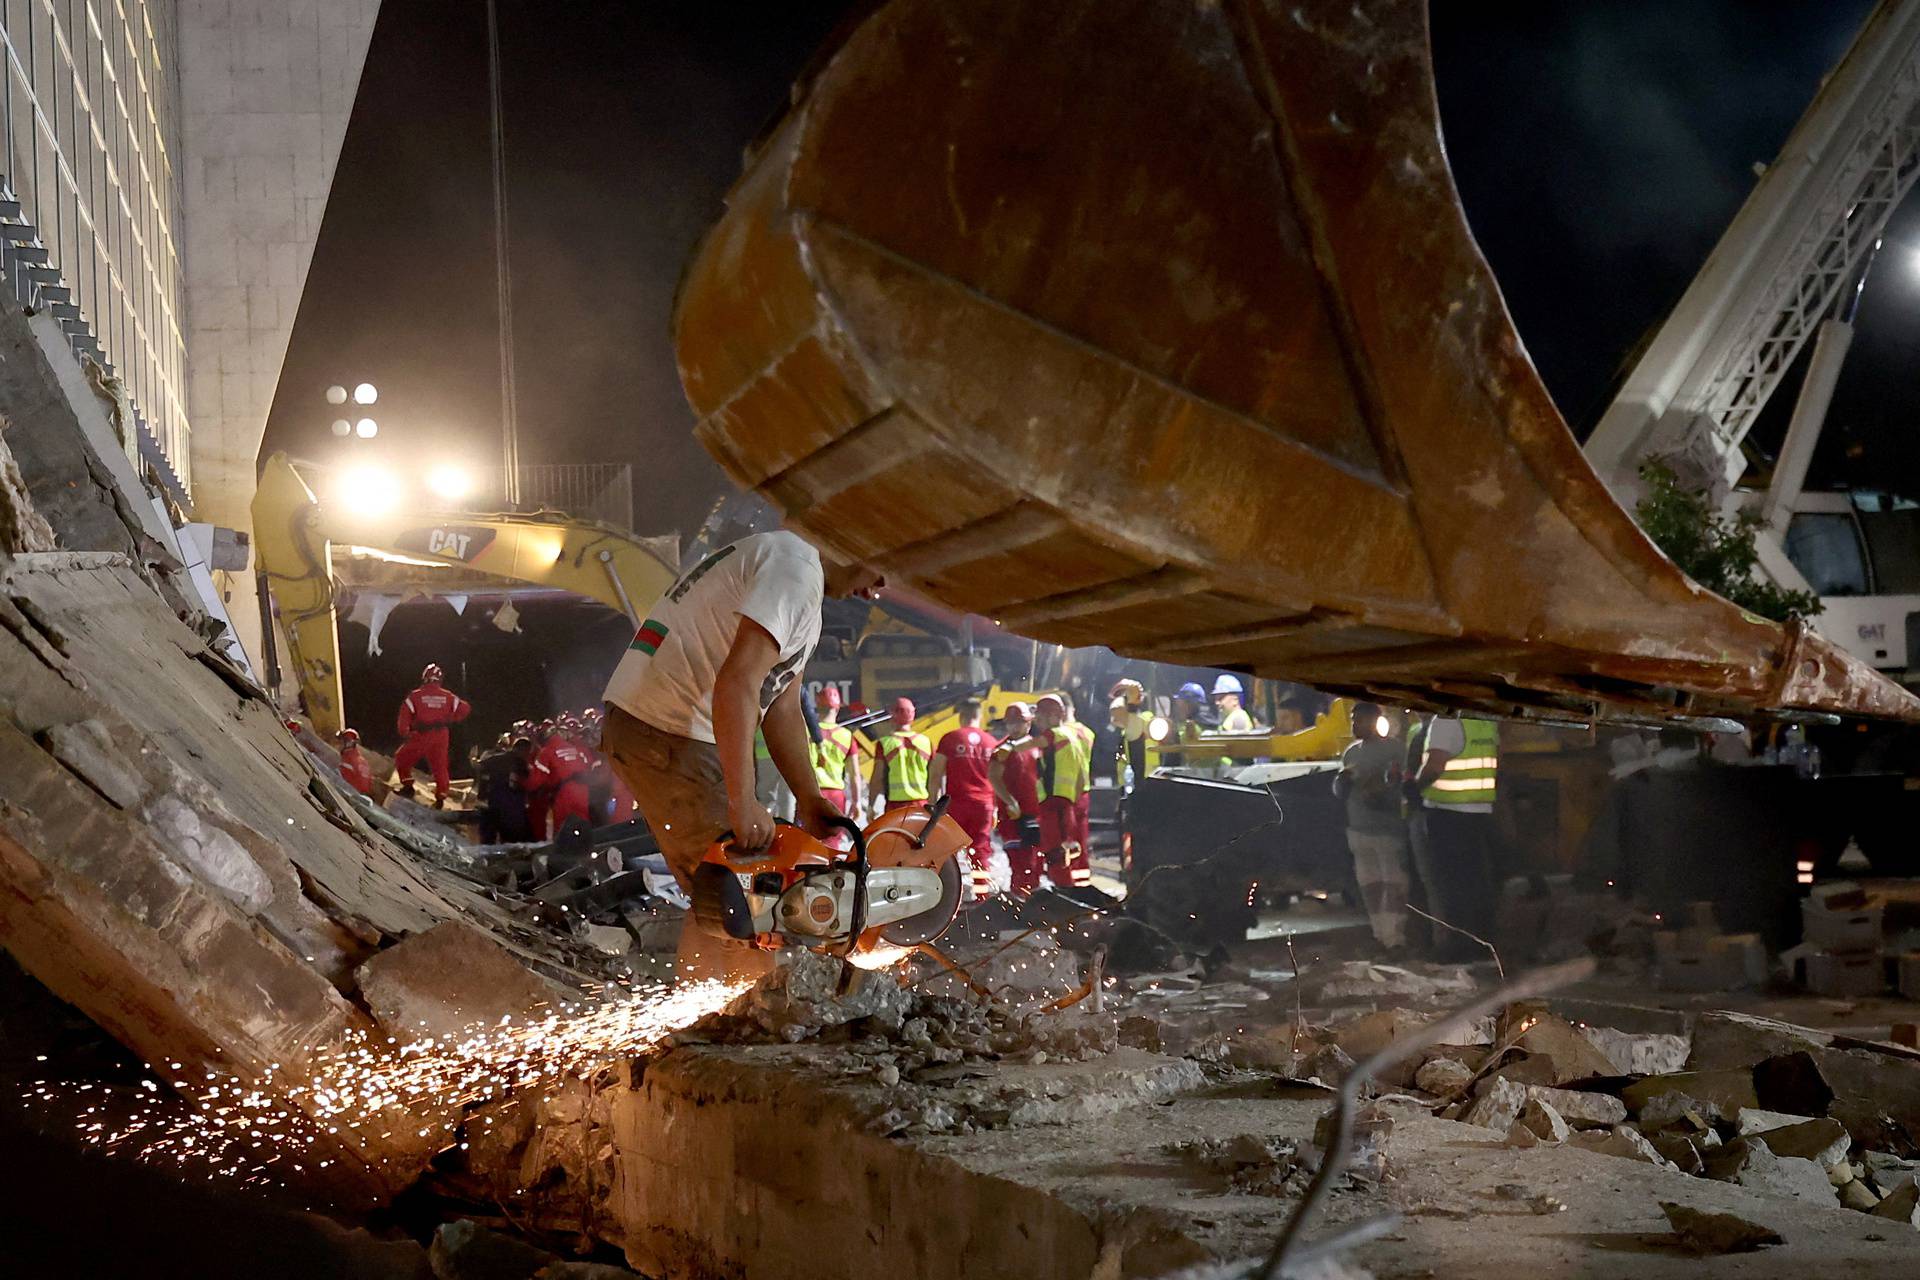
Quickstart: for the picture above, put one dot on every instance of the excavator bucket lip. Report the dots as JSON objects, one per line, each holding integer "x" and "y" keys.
{"x": 1159, "y": 325}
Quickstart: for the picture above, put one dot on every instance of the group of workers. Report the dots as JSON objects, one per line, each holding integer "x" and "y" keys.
{"x": 537, "y": 777}
{"x": 1419, "y": 805}
{"x": 426, "y": 715}
{"x": 709, "y": 689}
{"x": 1031, "y": 783}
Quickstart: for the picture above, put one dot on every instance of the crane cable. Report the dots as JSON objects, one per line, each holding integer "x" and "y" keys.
{"x": 503, "y": 278}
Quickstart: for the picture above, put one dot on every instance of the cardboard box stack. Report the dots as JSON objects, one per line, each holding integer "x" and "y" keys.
{"x": 1839, "y": 953}
{"x": 1698, "y": 957}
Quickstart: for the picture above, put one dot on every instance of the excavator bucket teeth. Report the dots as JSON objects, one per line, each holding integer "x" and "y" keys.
{"x": 1157, "y": 324}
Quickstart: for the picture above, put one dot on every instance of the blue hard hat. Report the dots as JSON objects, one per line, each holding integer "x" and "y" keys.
{"x": 1192, "y": 692}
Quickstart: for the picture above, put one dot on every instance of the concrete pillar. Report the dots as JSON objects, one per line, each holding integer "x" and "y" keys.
{"x": 266, "y": 88}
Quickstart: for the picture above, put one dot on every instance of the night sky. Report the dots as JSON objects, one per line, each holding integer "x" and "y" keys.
{"x": 1600, "y": 148}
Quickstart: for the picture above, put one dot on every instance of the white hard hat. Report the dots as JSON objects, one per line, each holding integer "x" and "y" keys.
{"x": 1228, "y": 684}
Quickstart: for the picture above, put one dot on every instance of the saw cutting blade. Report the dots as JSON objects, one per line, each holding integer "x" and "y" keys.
{"x": 933, "y": 922}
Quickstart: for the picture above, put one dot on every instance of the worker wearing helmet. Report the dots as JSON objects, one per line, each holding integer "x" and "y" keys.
{"x": 901, "y": 759}
{"x": 424, "y": 719}
{"x": 353, "y": 762}
{"x": 1227, "y": 692}
{"x": 557, "y": 782}
{"x": 836, "y": 756}
{"x": 1063, "y": 765}
{"x": 1132, "y": 723}
{"x": 1015, "y": 780}
{"x": 719, "y": 655}
{"x": 1189, "y": 712}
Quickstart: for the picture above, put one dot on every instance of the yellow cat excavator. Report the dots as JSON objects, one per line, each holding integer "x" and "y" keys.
{"x": 1157, "y": 324}
{"x": 295, "y": 531}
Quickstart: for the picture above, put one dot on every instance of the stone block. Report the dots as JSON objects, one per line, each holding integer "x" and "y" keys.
{"x": 1648, "y": 1054}
{"x": 449, "y": 978}
{"x": 1543, "y": 1121}
{"x": 1724, "y": 1040}
{"x": 1623, "y": 1140}
{"x": 1574, "y": 1056}
{"x": 1723, "y": 1092}
{"x": 1823, "y": 1141}
{"x": 1748, "y": 1162}
{"x": 1902, "y": 1204}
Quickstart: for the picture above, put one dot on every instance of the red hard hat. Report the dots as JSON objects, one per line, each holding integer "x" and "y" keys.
{"x": 828, "y": 697}
{"x": 903, "y": 711}
{"x": 1050, "y": 700}
{"x": 350, "y": 735}
{"x": 432, "y": 673}
{"x": 1017, "y": 711}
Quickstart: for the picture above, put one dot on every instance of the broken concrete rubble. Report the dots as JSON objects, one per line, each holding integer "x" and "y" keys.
{"x": 450, "y": 979}
{"x": 1717, "y": 1233}
{"x": 1902, "y": 1204}
{"x": 1825, "y": 1142}
{"x": 1501, "y": 1105}
{"x": 1748, "y": 1162}
{"x": 1623, "y": 1140}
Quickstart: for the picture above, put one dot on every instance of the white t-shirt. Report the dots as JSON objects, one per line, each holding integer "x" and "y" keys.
{"x": 666, "y": 676}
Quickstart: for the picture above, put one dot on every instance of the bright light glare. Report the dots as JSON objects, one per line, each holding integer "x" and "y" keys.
{"x": 369, "y": 491}
{"x": 366, "y": 428}
{"x": 365, "y": 394}
{"x": 1382, "y": 726}
{"x": 1158, "y": 728}
{"x": 450, "y": 482}
{"x": 341, "y": 427}
{"x": 336, "y": 395}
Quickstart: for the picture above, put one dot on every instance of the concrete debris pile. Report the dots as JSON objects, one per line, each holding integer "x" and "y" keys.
{"x": 1765, "y": 1105}
{"x": 916, "y": 1045}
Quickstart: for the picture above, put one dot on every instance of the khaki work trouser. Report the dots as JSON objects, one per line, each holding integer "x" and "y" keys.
{"x": 680, "y": 790}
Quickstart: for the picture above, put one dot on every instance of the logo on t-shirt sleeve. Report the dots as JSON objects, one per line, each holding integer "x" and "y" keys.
{"x": 647, "y": 639}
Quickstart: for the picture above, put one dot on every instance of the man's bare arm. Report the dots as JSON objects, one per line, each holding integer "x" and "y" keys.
{"x": 736, "y": 714}
{"x": 785, "y": 729}
{"x": 936, "y": 774}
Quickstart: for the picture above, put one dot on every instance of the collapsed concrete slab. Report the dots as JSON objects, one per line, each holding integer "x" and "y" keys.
{"x": 171, "y": 864}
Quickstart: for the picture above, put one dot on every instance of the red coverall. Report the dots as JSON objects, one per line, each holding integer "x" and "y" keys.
{"x": 557, "y": 785}
{"x": 424, "y": 716}
{"x": 970, "y": 793}
{"x": 356, "y": 770}
{"x": 1060, "y": 817}
{"x": 1019, "y": 776}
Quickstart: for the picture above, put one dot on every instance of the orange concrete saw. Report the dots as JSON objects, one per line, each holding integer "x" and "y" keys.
{"x": 900, "y": 886}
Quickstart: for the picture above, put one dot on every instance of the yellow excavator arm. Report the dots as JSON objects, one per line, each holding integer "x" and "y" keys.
{"x": 294, "y": 533}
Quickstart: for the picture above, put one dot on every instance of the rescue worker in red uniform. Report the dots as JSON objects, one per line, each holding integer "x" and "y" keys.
{"x": 425, "y": 715}
{"x": 1015, "y": 785}
{"x": 354, "y": 766}
{"x": 959, "y": 768}
{"x": 1064, "y": 765}
{"x": 901, "y": 759}
{"x": 559, "y": 780}
{"x": 836, "y": 759}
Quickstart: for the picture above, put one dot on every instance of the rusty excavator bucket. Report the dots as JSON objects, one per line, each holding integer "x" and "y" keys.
{"x": 1157, "y": 324}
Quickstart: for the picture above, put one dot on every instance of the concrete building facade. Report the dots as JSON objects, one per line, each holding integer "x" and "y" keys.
{"x": 166, "y": 170}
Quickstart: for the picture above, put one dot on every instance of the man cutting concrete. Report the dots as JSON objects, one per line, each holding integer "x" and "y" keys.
{"x": 719, "y": 656}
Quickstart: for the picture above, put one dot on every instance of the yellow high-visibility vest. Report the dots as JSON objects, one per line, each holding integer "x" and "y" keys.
{"x": 830, "y": 756}
{"x": 907, "y": 756}
{"x": 1072, "y": 762}
{"x": 1472, "y": 777}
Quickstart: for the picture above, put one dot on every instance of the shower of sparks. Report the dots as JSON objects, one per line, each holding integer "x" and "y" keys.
{"x": 368, "y": 1095}
{"x": 881, "y": 957}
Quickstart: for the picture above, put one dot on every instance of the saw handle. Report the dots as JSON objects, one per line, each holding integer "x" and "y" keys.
{"x": 934, "y": 814}
{"x": 859, "y": 865}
